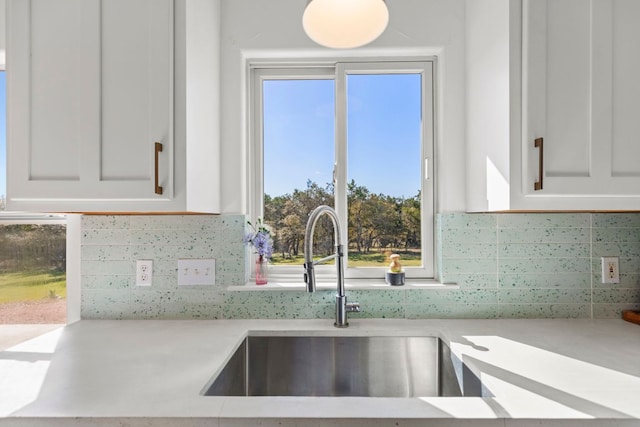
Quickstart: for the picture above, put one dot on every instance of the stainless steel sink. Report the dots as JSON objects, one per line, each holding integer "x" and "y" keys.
{"x": 337, "y": 366}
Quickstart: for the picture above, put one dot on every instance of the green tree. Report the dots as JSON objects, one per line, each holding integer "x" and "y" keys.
{"x": 358, "y": 215}
{"x": 376, "y": 221}
{"x": 411, "y": 220}
{"x": 287, "y": 217}
{"x": 389, "y": 221}
{"x": 32, "y": 247}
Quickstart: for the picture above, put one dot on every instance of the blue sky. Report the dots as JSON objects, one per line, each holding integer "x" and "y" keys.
{"x": 383, "y": 133}
{"x": 3, "y": 133}
{"x": 298, "y": 133}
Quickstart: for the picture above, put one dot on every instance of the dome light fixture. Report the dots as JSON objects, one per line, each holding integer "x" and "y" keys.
{"x": 344, "y": 24}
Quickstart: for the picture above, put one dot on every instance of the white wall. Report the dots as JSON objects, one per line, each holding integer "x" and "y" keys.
{"x": 202, "y": 103}
{"x": 487, "y": 104}
{"x": 258, "y": 28}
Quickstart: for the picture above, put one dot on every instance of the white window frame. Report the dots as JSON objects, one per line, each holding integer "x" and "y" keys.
{"x": 338, "y": 71}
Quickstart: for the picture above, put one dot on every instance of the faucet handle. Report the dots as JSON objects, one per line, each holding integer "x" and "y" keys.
{"x": 309, "y": 277}
{"x": 353, "y": 307}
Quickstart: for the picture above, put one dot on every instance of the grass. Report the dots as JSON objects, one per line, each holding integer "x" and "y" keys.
{"x": 361, "y": 259}
{"x": 31, "y": 286}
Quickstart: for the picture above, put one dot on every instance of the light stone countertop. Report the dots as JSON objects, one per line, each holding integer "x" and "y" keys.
{"x": 143, "y": 373}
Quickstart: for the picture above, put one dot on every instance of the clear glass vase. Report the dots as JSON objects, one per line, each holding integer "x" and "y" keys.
{"x": 262, "y": 271}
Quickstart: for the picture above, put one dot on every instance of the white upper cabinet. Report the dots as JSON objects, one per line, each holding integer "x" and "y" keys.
{"x": 579, "y": 100}
{"x": 91, "y": 88}
{"x": 581, "y": 91}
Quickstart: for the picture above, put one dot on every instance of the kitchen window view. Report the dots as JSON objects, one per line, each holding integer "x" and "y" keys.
{"x": 357, "y": 137}
{"x": 32, "y": 255}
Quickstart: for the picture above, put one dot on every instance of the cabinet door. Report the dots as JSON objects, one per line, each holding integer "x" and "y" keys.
{"x": 52, "y": 70}
{"x": 135, "y": 98}
{"x": 580, "y": 95}
{"x": 90, "y": 92}
{"x": 621, "y": 49}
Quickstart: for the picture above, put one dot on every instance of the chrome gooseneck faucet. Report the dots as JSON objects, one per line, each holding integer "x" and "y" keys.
{"x": 342, "y": 307}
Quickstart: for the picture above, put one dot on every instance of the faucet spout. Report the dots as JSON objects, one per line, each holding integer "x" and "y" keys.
{"x": 342, "y": 307}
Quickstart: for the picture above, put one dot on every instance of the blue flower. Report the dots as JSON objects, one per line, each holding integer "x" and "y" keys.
{"x": 260, "y": 239}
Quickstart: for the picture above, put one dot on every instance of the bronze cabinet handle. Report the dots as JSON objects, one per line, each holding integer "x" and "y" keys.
{"x": 538, "y": 143}
{"x": 158, "y": 149}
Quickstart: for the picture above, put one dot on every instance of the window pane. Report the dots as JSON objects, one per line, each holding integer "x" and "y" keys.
{"x": 3, "y": 139}
{"x": 32, "y": 273}
{"x": 384, "y": 168}
{"x": 298, "y": 144}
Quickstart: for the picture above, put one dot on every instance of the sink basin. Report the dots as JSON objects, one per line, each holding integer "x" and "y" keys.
{"x": 337, "y": 366}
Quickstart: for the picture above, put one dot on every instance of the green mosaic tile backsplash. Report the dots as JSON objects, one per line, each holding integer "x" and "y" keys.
{"x": 536, "y": 265}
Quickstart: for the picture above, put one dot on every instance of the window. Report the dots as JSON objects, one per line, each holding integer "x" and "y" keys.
{"x": 357, "y": 136}
{"x": 3, "y": 139}
{"x": 32, "y": 255}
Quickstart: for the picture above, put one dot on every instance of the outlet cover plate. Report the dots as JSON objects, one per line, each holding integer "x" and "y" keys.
{"x": 610, "y": 269}
{"x": 196, "y": 272}
{"x": 144, "y": 272}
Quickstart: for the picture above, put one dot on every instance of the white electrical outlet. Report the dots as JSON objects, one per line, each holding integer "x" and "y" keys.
{"x": 610, "y": 269}
{"x": 144, "y": 272}
{"x": 196, "y": 272}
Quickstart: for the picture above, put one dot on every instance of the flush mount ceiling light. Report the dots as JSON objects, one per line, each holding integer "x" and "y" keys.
{"x": 344, "y": 24}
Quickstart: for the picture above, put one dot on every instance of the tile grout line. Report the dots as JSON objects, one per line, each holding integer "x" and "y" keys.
{"x": 498, "y": 260}
{"x": 591, "y": 262}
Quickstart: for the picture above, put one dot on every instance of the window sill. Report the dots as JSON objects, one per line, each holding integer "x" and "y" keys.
{"x": 350, "y": 284}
